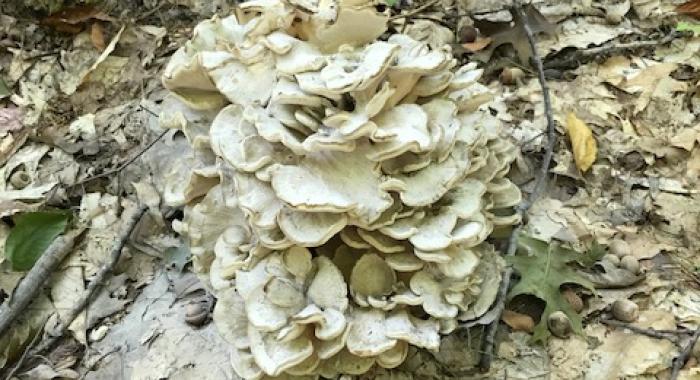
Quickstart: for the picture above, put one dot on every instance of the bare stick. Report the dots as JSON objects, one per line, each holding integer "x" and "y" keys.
{"x": 680, "y": 361}
{"x": 125, "y": 164}
{"x": 99, "y": 279}
{"x": 415, "y": 11}
{"x": 578, "y": 57}
{"x": 540, "y": 182}
{"x": 671, "y": 335}
{"x": 31, "y": 284}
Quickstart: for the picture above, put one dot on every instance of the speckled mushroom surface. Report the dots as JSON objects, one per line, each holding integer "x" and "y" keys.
{"x": 343, "y": 186}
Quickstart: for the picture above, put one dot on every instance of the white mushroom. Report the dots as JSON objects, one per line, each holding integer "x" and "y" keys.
{"x": 372, "y": 276}
{"x": 367, "y": 333}
{"x": 338, "y": 207}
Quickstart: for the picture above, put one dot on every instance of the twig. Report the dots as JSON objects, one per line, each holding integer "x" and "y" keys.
{"x": 125, "y": 164}
{"x": 578, "y": 57}
{"x": 99, "y": 279}
{"x": 680, "y": 361}
{"x": 14, "y": 369}
{"x": 31, "y": 284}
{"x": 671, "y": 335}
{"x": 524, "y": 206}
{"x": 415, "y": 11}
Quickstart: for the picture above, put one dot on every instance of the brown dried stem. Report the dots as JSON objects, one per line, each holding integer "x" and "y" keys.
{"x": 99, "y": 279}
{"x": 671, "y": 335}
{"x": 540, "y": 182}
{"x": 680, "y": 361}
{"x": 30, "y": 285}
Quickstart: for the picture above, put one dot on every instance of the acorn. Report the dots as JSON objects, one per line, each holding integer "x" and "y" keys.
{"x": 630, "y": 263}
{"x": 20, "y": 179}
{"x": 196, "y": 313}
{"x": 559, "y": 324}
{"x": 609, "y": 257}
{"x": 625, "y": 310}
{"x": 573, "y": 299}
{"x": 511, "y": 75}
{"x": 468, "y": 34}
{"x": 619, "y": 248}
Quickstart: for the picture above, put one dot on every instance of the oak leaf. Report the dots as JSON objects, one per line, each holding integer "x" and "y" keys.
{"x": 583, "y": 143}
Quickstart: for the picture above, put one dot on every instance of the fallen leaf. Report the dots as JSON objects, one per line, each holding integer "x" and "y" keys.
{"x": 10, "y": 119}
{"x": 688, "y": 27}
{"x": 32, "y": 234}
{"x": 478, "y": 44}
{"x": 502, "y": 33}
{"x": 97, "y": 36}
{"x": 70, "y": 20}
{"x": 27, "y": 325}
{"x": 518, "y": 321}
{"x": 4, "y": 89}
{"x": 582, "y": 142}
{"x": 177, "y": 257}
{"x": 543, "y": 269}
{"x": 691, "y": 8}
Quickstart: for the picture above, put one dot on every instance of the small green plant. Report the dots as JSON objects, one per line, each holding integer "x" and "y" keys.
{"x": 32, "y": 234}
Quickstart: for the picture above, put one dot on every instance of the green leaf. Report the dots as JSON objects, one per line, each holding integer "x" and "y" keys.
{"x": 543, "y": 269}
{"x": 688, "y": 27}
{"x": 32, "y": 234}
{"x": 390, "y": 3}
{"x": 4, "y": 89}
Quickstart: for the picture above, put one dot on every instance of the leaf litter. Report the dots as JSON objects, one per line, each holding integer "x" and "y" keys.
{"x": 84, "y": 106}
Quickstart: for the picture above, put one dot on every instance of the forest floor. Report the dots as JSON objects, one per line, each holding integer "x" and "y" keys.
{"x": 80, "y": 98}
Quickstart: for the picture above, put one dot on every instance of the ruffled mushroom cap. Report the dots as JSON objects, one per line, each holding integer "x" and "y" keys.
{"x": 344, "y": 190}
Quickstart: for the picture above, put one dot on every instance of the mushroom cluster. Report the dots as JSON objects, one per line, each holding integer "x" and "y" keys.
{"x": 341, "y": 213}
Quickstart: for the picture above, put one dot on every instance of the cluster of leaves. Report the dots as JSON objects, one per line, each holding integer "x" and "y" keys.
{"x": 543, "y": 268}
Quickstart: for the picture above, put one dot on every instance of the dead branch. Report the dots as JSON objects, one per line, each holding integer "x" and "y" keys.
{"x": 99, "y": 279}
{"x": 671, "y": 335}
{"x": 581, "y": 56}
{"x": 125, "y": 164}
{"x": 414, "y": 11}
{"x": 680, "y": 361}
{"x": 30, "y": 285}
{"x": 540, "y": 182}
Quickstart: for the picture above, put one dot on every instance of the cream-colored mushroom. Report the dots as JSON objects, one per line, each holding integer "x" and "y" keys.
{"x": 367, "y": 333}
{"x": 274, "y": 356}
{"x": 338, "y": 207}
{"x": 417, "y": 332}
{"x": 328, "y": 289}
{"x": 425, "y": 285}
{"x": 372, "y": 276}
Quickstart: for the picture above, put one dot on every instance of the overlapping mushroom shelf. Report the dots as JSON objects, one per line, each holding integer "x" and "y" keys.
{"x": 350, "y": 186}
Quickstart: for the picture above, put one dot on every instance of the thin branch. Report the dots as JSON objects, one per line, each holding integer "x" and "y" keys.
{"x": 580, "y": 56}
{"x": 540, "y": 182}
{"x": 99, "y": 279}
{"x": 30, "y": 285}
{"x": 671, "y": 335}
{"x": 680, "y": 361}
{"x": 14, "y": 369}
{"x": 414, "y": 11}
{"x": 125, "y": 164}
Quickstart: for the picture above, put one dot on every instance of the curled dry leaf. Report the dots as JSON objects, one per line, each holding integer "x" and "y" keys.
{"x": 518, "y": 321}
{"x": 690, "y": 8}
{"x": 583, "y": 143}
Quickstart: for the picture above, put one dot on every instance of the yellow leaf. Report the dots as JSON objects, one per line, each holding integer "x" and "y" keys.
{"x": 582, "y": 142}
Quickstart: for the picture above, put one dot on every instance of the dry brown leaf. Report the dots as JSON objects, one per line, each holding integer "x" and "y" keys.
{"x": 517, "y": 321}
{"x": 691, "y": 8}
{"x": 97, "y": 36}
{"x": 476, "y": 45}
{"x": 502, "y": 33}
{"x": 72, "y": 20}
{"x": 583, "y": 143}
